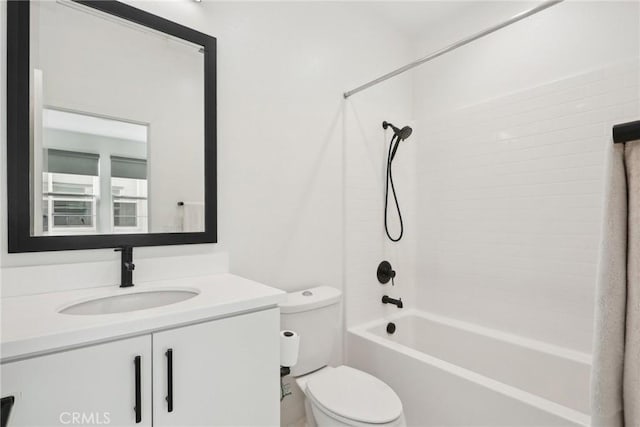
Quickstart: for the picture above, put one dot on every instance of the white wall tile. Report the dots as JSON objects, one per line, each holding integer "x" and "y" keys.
{"x": 511, "y": 161}
{"x": 510, "y": 206}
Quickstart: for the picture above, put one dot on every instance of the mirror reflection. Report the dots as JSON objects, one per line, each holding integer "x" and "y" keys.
{"x": 117, "y": 143}
{"x": 94, "y": 178}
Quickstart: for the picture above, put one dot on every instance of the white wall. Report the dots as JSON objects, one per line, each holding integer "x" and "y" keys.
{"x": 280, "y": 115}
{"x": 510, "y": 165}
{"x": 280, "y": 133}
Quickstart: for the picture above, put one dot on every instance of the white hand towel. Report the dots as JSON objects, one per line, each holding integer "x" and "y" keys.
{"x": 631, "y": 381}
{"x": 193, "y": 217}
{"x": 615, "y": 377}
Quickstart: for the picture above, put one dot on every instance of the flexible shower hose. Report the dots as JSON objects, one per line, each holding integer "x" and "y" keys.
{"x": 390, "y": 156}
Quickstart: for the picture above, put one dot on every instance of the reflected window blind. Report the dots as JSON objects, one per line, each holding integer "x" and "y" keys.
{"x": 127, "y": 167}
{"x": 72, "y": 162}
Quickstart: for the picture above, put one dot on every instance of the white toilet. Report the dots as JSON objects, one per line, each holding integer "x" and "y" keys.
{"x": 341, "y": 396}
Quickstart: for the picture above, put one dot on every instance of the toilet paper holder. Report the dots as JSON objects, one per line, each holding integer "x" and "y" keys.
{"x": 289, "y": 346}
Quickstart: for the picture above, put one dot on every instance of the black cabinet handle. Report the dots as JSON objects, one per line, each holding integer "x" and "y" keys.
{"x": 138, "y": 407}
{"x": 169, "y": 397}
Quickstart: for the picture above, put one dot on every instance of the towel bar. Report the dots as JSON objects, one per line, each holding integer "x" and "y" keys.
{"x": 625, "y": 132}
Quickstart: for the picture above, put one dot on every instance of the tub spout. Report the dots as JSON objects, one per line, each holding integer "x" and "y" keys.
{"x": 388, "y": 300}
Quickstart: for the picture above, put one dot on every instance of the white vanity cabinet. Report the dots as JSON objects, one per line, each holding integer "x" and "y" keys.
{"x": 224, "y": 372}
{"x": 87, "y": 386}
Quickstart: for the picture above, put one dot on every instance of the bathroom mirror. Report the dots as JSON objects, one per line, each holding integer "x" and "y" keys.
{"x": 111, "y": 128}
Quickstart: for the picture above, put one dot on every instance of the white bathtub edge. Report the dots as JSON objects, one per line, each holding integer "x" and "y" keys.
{"x": 541, "y": 346}
{"x": 497, "y": 386}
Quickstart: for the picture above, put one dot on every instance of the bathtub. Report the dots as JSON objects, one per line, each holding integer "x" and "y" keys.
{"x": 449, "y": 372}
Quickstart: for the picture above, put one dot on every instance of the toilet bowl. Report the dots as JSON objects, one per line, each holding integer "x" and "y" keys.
{"x": 345, "y": 396}
{"x": 341, "y": 396}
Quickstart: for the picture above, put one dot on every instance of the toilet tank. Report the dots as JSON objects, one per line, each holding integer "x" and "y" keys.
{"x": 315, "y": 315}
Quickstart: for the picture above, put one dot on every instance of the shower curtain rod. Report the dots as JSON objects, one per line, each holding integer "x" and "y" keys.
{"x": 454, "y": 46}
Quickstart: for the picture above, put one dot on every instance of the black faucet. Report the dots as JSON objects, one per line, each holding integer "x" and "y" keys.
{"x": 126, "y": 266}
{"x": 388, "y": 300}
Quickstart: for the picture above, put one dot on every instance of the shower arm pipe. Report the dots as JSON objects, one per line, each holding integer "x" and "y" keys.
{"x": 520, "y": 16}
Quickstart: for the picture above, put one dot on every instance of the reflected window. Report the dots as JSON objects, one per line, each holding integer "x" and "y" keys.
{"x": 129, "y": 194}
{"x": 94, "y": 178}
{"x": 71, "y": 188}
{"x": 73, "y": 213}
{"x": 125, "y": 214}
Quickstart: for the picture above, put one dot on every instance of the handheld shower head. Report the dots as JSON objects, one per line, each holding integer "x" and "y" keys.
{"x": 398, "y": 136}
{"x": 403, "y": 133}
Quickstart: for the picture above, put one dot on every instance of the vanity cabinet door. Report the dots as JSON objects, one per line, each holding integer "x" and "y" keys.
{"x": 93, "y": 385}
{"x": 219, "y": 373}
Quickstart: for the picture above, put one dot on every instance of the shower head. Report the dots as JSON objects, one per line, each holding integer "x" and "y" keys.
{"x": 402, "y": 134}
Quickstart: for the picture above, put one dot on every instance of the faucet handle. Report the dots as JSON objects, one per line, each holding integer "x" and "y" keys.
{"x": 385, "y": 273}
{"x": 127, "y": 253}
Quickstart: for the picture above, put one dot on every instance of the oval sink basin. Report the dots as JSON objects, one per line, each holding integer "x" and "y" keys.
{"x": 129, "y": 302}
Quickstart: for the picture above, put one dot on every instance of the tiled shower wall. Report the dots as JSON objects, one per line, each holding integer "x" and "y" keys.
{"x": 510, "y": 199}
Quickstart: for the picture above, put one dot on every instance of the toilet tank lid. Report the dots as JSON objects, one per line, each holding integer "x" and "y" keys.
{"x": 310, "y": 299}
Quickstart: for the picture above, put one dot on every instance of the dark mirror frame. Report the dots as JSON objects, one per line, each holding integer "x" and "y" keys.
{"x": 18, "y": 134}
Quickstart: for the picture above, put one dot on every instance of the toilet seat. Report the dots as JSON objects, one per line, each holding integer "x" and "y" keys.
{"x": 354, "y": 396}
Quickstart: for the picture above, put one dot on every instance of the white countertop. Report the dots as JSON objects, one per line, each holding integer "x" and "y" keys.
{"x": 31, "y": 325}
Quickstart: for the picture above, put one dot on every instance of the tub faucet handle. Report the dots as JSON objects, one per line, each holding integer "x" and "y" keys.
{"x": 385, "y": 273}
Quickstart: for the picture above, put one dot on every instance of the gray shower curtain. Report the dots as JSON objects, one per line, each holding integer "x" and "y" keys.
{"x": 615, "y": 374}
